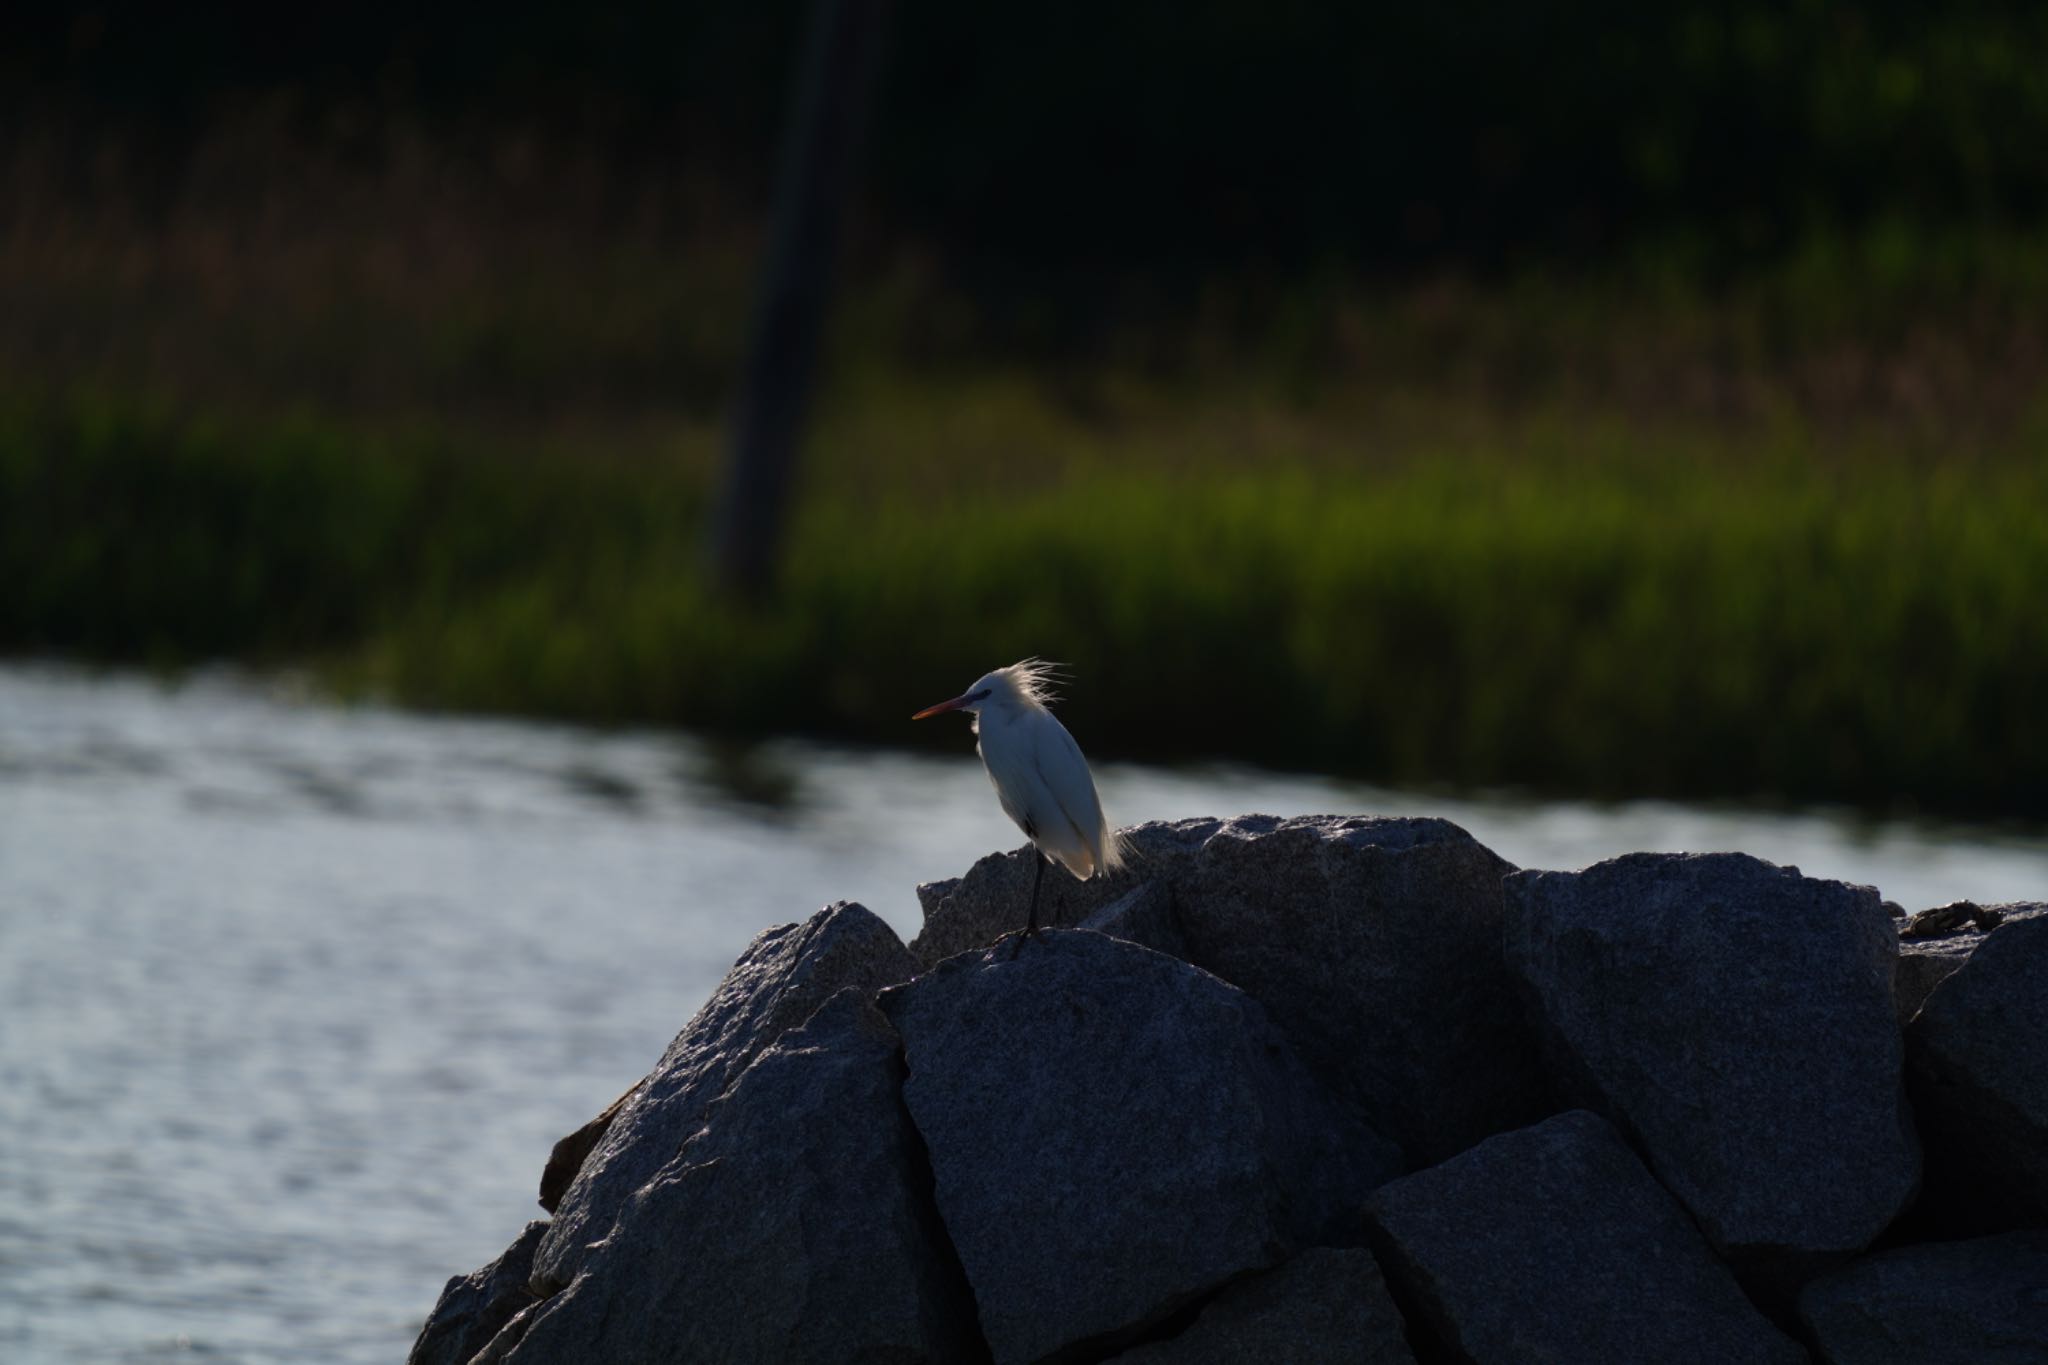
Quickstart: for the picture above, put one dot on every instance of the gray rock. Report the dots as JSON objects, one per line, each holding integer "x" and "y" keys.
{"x": 1978, "y": 1051}
{"x": 565, "y": 1161}
{"x": 1145, "y": 916}
{"x": 1981, "y": 1302}
{"x": 782, "y": 977}
{"x": 1327, "y": 1306}
{"x": 1930, "y": 952}
{"x": 796, "y": 1226}
{"x": 501, "y": 1346}
{"x": 1736, "y": 1020}
{"x": 1946, "y": 919}
{"x": 964, "y": 913}
{"x": 1554, "y": 1244}
{"x": 1373, "y": 943}
{"x": 475, "y": 1307}
{"x": 1113, "y": 1134}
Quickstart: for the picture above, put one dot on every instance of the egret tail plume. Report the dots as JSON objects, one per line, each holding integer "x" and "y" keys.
{"x": 1115, "y": 854}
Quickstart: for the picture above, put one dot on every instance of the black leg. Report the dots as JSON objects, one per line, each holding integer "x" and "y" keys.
{"x": 1037, "y": 876}
{"x": 1031, "y": 919}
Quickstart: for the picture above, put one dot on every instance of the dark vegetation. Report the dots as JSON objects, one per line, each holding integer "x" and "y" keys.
{"x": 1627, "y": 401}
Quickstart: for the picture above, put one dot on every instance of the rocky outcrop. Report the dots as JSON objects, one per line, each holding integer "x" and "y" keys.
{"x": 1327, "y": 1306}
{"x": 1114, "y": 1134}
{"x": 1168, "y": 1135}
{"x": 781, "y": 979}
{"x": 474, "y": 1308}
{"x": 795, "y": 1226}
{"x": 1935, "y": 943}
{"x": 1375, "y": 944}
{"x": 1735, "y": 1020}
{"x": 1979, "y": 1302}
{"x": 1553, "y": 1243}
{"x": 1143, "y": 915}
{"x": 1979, "y": 1060}
{"x": 963, "y": 913}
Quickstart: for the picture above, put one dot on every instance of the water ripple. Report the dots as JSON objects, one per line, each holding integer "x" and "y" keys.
{"x": 298, "y": 997}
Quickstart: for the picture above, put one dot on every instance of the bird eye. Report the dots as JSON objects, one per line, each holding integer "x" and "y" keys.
{"x": 981, "y": 694}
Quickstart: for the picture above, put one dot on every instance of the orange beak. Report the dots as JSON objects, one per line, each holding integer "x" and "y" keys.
{"x": 941, "y": 708}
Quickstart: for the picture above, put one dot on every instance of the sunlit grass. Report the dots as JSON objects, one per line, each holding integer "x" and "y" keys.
{"x": 1570, "y": 605}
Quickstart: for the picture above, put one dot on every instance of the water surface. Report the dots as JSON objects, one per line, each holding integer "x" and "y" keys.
{"x": 297, "y": 997}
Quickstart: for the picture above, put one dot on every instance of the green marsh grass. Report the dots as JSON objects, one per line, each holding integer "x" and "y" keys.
{"x": 441, "y": 426}
{"x": 1556, "y": 603}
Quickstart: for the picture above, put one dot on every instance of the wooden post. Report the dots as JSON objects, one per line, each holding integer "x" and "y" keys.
{"x": 828, "y": 111}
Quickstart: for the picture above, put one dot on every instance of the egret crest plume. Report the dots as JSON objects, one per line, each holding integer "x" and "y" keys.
{"x": 1033, "y": 680}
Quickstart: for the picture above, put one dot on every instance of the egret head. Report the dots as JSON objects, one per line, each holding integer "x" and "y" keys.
{"x": 1027, "y": 683}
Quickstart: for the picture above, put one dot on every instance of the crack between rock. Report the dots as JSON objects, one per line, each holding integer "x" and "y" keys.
{"x": 925, "y": 1193}
{"x": 1426, "y": 1342}
{"x": 1108, "y": 1345}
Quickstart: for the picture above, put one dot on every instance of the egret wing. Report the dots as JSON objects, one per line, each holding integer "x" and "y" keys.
{"x": 1064, "y": 774}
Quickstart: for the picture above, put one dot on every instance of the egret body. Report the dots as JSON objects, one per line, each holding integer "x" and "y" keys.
{"x": 1040, "y": 777}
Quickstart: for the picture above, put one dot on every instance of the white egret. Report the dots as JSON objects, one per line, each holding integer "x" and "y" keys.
{"x": 1040, "y": 777}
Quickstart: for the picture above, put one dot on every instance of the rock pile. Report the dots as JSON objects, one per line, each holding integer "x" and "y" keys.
{"x": 1321, "y": 1090}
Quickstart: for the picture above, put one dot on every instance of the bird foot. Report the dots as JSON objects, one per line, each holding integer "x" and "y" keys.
{"x": 1020, "y": 935}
